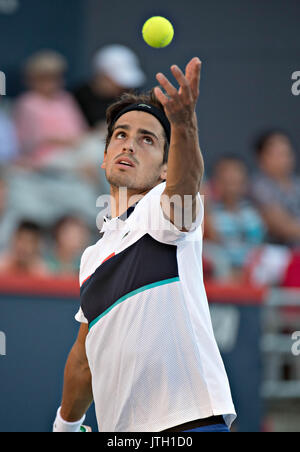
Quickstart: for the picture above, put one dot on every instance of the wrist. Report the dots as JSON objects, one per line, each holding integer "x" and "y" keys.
{"x": 187, "y": 126}
{"x": 62, "y": 426}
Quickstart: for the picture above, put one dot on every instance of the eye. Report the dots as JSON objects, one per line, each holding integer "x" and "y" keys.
{"x": 120, "y": 135}
{"x": 148, "y": 140}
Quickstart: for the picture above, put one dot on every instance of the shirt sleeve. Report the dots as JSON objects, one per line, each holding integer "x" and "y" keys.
{"x": 161, "y": 228}
{"x": 80, "y": 315}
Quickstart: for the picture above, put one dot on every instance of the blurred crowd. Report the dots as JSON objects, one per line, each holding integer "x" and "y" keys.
{"x": 51, "y": 148}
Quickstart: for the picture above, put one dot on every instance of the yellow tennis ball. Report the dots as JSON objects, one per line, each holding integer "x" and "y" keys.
{"x": 158, "y": 32}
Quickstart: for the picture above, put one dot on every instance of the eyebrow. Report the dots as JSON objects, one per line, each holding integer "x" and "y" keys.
{"x": 141, "y": 131}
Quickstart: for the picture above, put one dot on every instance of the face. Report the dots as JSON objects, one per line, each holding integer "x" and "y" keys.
{"x": 27, "y": 245}
{"x": 138, "y": 138}
{"x": 107, "y": 86}
{"x": 231, "y": 181}
{"x": 73, "y": 237}
{"x": 278, "y": 159}
{"x": 46, "y": 84}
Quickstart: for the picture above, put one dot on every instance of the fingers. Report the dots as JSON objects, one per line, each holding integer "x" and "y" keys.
{"x": 168, "y": 87}
{"x": 182, "y": 81}
{"x": 184, "y": 94}
{"x": 188, "y": 82}
{"x": 163, "y": 99}
{"x": 193, "y": 75}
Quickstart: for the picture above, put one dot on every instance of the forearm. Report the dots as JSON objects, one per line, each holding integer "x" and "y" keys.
{"x": 281, "y": 224}
{"x": 185, "y": 163}
{"x": 289, "y": 231}
{"x": 77, "y": 392}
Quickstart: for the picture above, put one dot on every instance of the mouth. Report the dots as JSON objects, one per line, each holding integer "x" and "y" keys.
{"x": 125, "y": 162}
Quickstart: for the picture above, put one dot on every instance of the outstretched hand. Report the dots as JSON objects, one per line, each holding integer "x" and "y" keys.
{"x": 180, "y": 104}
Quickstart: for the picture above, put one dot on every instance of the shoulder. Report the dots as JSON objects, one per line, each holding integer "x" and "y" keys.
{"x": 158, "y": 189}
{"x": 87, "y": 253}
{"x": 259, "y": 178}
{"x": 26, "y": 100}
{"x": 262, "y": 188}
{"x": 85, "y": 263}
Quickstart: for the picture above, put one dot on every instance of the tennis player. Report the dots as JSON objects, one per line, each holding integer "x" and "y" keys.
{"x": 146, "y": 352}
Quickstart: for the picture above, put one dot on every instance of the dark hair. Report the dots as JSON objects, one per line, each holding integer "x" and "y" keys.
{"x": 229, "y": 157}
{"x": 263, "y": 139}
{"x": 126, "y": 100}
{"x": 64, "y": 220}
{"x": 30, "y": 226}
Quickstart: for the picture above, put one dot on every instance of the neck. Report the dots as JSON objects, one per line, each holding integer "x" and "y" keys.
{"x": 64, "y": 255}
{"x": 122, "y": 198}
{"x": 284, "y": 179}
{"x": 230, "y": 204}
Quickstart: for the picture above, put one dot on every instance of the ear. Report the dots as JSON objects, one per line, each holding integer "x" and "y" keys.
{"x": 164, "y": 170}
{"x": 103, "y": 166}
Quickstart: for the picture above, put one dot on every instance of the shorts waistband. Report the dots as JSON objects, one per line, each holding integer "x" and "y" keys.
{"x": 213, "y": 420}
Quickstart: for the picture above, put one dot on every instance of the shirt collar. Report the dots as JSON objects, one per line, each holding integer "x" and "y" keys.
{"x": 111, "y": 223}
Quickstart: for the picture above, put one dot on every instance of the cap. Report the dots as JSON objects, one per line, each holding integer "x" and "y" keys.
{"x": 121, "y": 64}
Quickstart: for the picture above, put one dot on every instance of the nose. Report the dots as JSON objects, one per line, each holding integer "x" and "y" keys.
{"x": 129, "y": 147}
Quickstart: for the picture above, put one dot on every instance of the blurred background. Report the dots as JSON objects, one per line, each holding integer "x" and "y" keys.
{"x": 64, "y": 62}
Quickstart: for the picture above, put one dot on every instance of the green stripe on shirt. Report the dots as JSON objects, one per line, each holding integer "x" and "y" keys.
{"x": 131, "y": 294}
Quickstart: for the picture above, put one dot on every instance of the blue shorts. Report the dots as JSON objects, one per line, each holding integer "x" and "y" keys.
{"x": 218, "y": 428}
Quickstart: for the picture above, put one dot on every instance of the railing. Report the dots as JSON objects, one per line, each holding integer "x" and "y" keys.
{"x": 281, "y": 318}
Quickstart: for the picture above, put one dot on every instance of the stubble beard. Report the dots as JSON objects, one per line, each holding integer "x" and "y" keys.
{"x": 124, "y": 181}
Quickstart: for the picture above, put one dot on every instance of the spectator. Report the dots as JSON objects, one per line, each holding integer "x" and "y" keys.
{"x": 115, "y": 69}
{"x": 71, "y": 237}
{"x": 276, "y": 188}
{"x": 8, "y": 139}
{"x": 47, "y": 118}
{"x": 25, "y": 255}
{"x": 7, "y": 217}
{"x": 234, "y": 226}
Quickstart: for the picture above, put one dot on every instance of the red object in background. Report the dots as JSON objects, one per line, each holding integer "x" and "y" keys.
{"x": 69, "y": 287}
{"x": 292, "y": 274}
{"x": 208, "y": 268}
{"x": 24, "y": 285}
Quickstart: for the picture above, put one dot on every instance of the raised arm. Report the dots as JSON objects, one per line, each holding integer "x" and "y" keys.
{"x": 185, "y": 163}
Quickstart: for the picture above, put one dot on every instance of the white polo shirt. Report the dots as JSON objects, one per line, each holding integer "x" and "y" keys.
{"x": 151, "y": 348}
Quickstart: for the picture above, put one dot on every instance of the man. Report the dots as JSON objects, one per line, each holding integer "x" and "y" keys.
{"x": 108, "y": 82}
{"x": 146, "y": 352}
